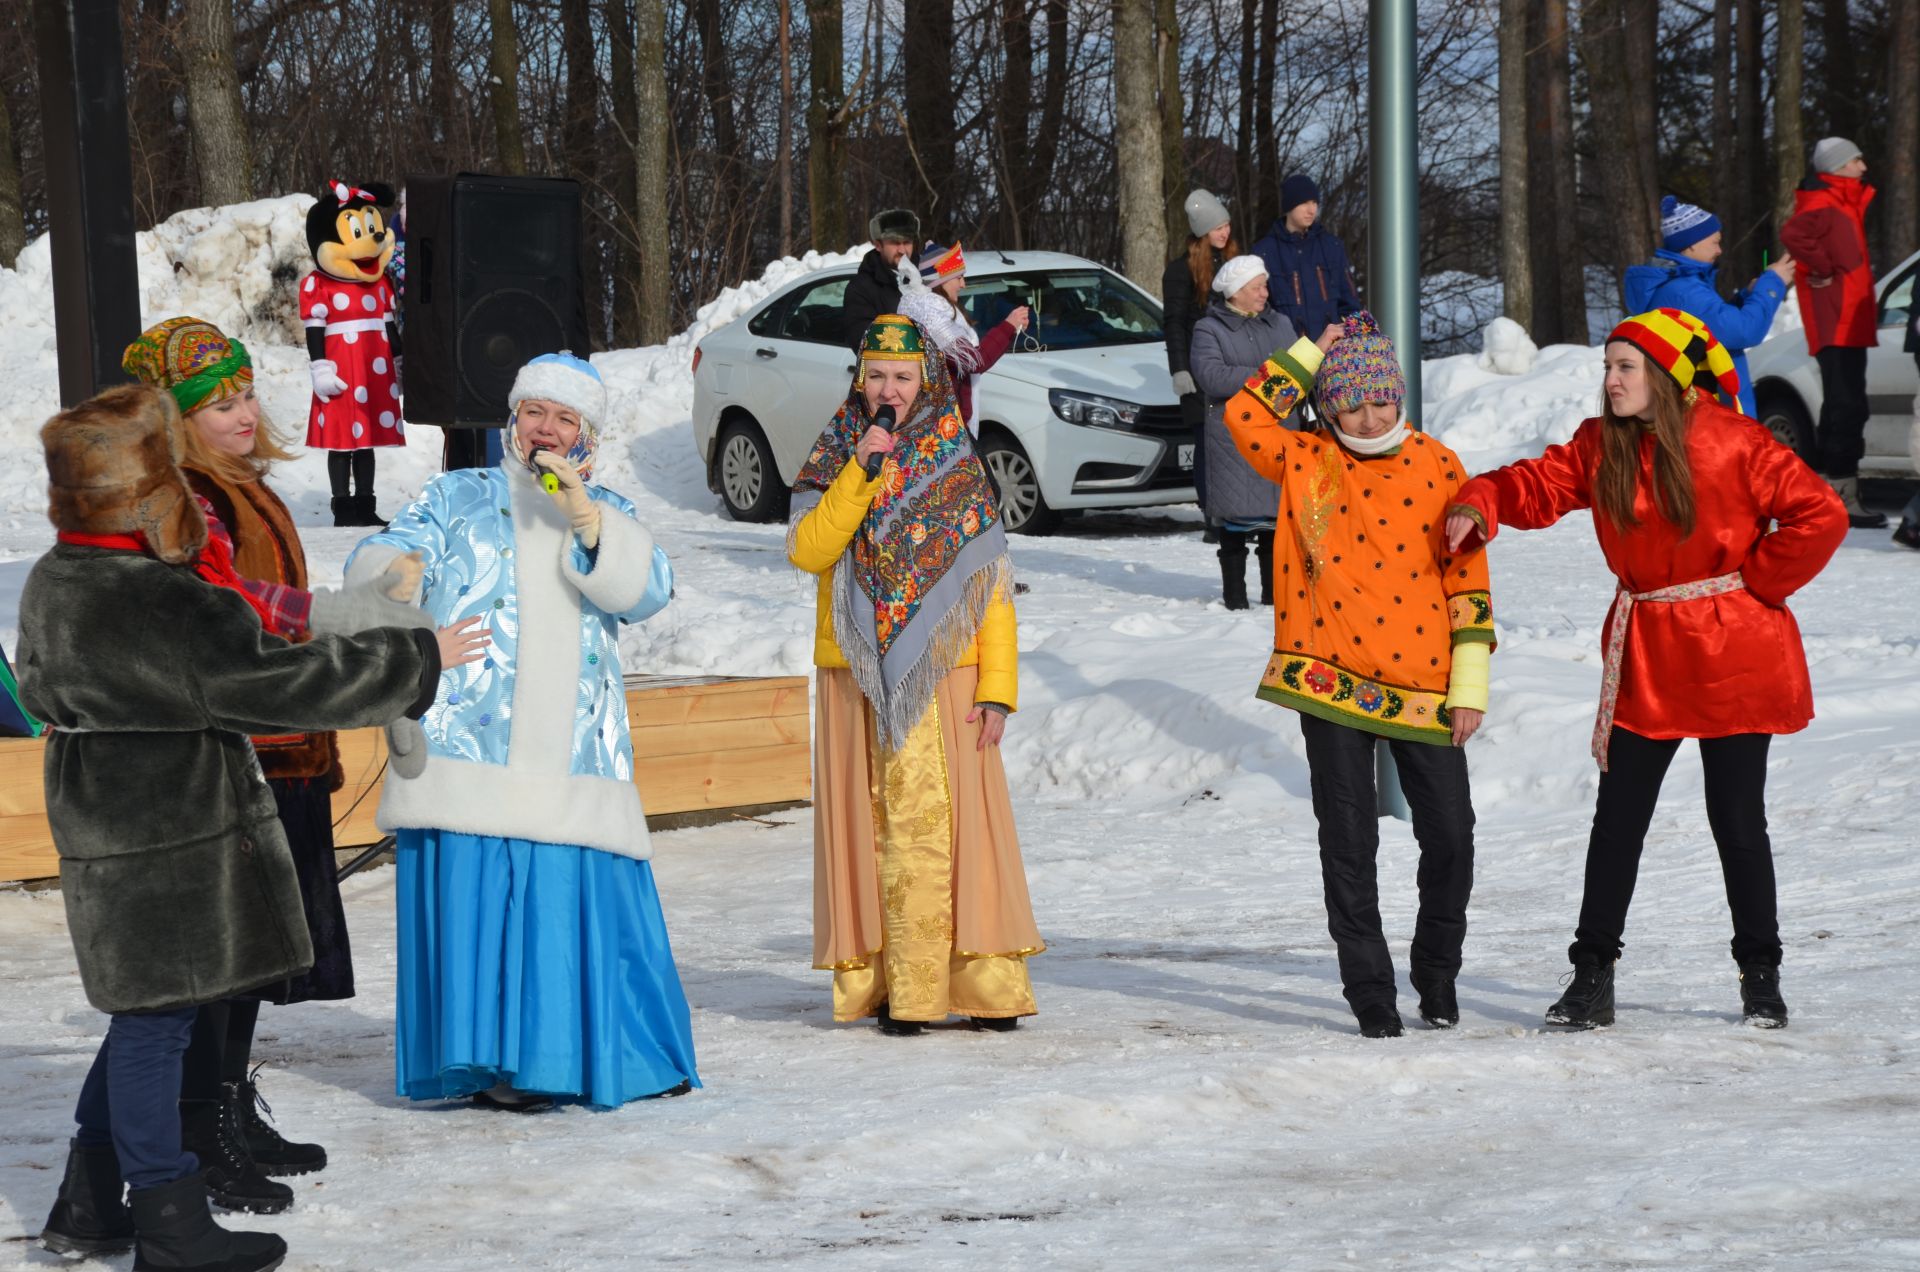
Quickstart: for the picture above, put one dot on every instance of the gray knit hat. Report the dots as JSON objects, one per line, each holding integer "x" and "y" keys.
{"x": 1205, "y": 213}
{"x": 1830, "y": 154}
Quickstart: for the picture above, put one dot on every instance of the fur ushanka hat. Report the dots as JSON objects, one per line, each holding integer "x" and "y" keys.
{"x": 113, "y": 467}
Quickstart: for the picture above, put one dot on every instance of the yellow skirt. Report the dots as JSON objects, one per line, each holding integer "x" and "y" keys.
{"x": 919, "y": 895}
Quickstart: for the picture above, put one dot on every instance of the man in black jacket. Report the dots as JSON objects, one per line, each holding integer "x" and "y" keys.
{"x": 875, "y": 289}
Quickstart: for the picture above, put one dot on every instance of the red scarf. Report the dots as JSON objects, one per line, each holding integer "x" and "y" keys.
{"x": 214, "y": 564}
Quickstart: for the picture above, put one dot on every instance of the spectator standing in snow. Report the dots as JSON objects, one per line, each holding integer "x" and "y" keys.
{"x": 1828, "y": 235}
{"x": 920, "y": 898}
{"x": 1378, "y": 633}
{"x": 1186, "y": 289}
{"x": 935, "y": 304}
{"x": 874, "y": 288}
{"x": 1683, "y": 276}
{"x": 1709, "y": 524}
{"x": 1308, "y": 277}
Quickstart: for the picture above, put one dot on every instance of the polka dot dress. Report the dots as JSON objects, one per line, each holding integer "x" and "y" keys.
{"x": 354, "y": 317}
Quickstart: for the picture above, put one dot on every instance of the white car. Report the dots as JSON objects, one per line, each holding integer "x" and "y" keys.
{"x": 1786, "y": 382}
{"x": 1081, "y": 414}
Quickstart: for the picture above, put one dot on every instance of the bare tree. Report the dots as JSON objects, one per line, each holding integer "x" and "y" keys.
{"x": 784, "y": 147}
{"x": 1516, "y": 260}
{"x": 1789, "y": 70}
{"x": 1902, "y": 180}
{"x": 1246, "y": 166}
{"x": 1840, "y": 70}
{"x": 1173, "y": 122}
{"x": 826, "y": 127}
{"x": 651, "y": 168}
{"x": 505, "y": 66}
{"x": 1755, "y": 202}
{"x": 1559, "y": 282}
{"x": 623, "y": 176}
{"x": 716, "y": 82}
{"x": 1265, "y": 147}
{"x": 1726, "y": 178}
{"x": 1143, "y": 227}
{"x": 13, "y": 224}
{"x": 928, "y": 48}
{"x": 223, "y": 157}
{"x": 1623, "y": 139}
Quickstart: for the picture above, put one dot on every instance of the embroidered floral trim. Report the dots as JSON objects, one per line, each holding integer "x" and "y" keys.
{"x": 1309, "y": 684}
{"x": 1470, "y": 614}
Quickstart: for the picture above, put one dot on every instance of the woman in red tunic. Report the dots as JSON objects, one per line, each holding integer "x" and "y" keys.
{"x": 1699, "y": 644}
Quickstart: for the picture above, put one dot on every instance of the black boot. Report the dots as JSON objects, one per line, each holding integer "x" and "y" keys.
{"x": 1379, "y": 1021}
{"x": 1233, "y": 568}
{"x": 1588, "y": 1002}
{"x": 89, "y": 1217}
{"x": 896, "y": 1028}
{"x": 272, "y": 1153}
{"x": 364, "y": 512}
{"x": 998, "y": 1024}
{"x": 344, "y": 510}
{"x": 209, "y": 1130}
{"x": 1760, "y": 1002}
{"x": 1263, "y": 555}
{"x": 178, "y": 1234}
{"x": 1438, "y": 1005}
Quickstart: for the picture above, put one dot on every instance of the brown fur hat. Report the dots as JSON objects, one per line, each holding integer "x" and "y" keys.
{"x": 113, "y": 467}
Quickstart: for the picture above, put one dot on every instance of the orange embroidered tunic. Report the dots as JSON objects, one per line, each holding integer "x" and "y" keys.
{"x": 1368, "y": 604}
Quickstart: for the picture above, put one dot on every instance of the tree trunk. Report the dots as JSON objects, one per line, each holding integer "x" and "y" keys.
{"x": 1726, "y": 180}
{"x": 1136, "y": 118}
{"x": 1053, "y": 109}
{"x": 441, "y": 78}
{"x": 716, "y": 82}
{"x": 1265, "y": 149}
{"x": 626, "y": 123}
{"x": 1902, "y": 164}
{"x": 1173, "y": 123}
{"x": 505, "y": 65}
{"x": 1012, "y": 109}
{"x": 1619, "y": 144}
{"x": 784, "y": 158}
{"x": 222, "y": 155}
{"x": 928, "y": 50}
{"x": 13, "y": 221}
{"x": 1516, "y": 259}
{"x": 1559, "y": 279}
{"x": 1789, "y": 146}
{"x": 826, "y": 126}
{"x": 1245, "y": 166}
{"x": 650, "y": 163}
{"x": 1755, "y": 201}
{"x": 583, "y": 88}
{"x": 1839, "y": 64}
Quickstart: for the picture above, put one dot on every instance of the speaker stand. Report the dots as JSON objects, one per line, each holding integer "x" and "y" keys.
{"x": 472, "y": 448}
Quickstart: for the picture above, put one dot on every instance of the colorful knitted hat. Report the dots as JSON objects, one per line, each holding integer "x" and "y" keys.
{"x": 1683, "y": 347}
{"x": 1682, "y": 224}
{"x": 191, "y": 359}
{"x": 893, "y": 338}
{"x": 936, "y": 266}
{"x": 1361, "y": 367}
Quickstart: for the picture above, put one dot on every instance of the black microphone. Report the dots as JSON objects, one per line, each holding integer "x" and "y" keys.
{"x": 883, "y": 418}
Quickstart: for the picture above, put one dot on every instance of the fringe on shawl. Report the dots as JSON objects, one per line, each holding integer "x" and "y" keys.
{"x": 896, "y": 712}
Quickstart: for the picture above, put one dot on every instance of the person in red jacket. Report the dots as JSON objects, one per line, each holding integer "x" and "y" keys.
{"x": 1828, "y": 236}
{"x": 1685, "y": 494}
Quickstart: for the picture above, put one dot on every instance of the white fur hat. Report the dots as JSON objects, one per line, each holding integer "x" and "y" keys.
{"x": 1237, "y": 273}
{"x": 563, "y": 378}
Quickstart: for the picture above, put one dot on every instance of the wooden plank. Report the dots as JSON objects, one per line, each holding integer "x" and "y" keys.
{"x": 666, "y": 707}
{"x": 711, "y": 736}
{"x": 23, "y": 787}
{"x": 767, "y": 775}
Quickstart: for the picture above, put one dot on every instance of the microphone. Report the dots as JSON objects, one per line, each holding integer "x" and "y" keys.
{"x": 883, "y": 418}
{"x": 548, "y": 482}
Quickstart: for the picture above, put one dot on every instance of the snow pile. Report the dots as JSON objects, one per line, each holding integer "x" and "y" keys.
{"x": 1492, "y": 419}
{"x": 1506, "y": 348}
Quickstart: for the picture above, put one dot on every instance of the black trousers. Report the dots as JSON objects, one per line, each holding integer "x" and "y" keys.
{"x": 1842, "y": 432}
{"x": 1340, "y": 759}
{"x": 1736, "y": 780}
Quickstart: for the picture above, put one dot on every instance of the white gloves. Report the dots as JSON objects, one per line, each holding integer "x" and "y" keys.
{"x": 327, "y": 383}
{"x": 1183, "y": 384}
{"x": 573, "y": 499}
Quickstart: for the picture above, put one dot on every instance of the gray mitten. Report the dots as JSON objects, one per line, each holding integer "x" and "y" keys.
{"x": 407, "y": 748}
{"x": 1183, "y": 384}
{"x": 359, "y": 607}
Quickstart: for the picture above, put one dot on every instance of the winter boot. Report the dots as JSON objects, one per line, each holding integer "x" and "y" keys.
{"x": 1760, "y": 1002}
{"x": 344, "y": 510}
{"x": 178, "y": 1234}
{"x": 1859, "y": 516}
{"x": 210, "y": 1131}
{"x": 896, "y": 1028}
{"x": 502, "y": 1096}
{"x": 1588, "y": 1002}
{"x": 997, "y": 1024}
{"x": 1379, "y": 1021}
{"x": 1907, "y": 535}
{"x": 1233, "y": 569}
{"x": 89, "y": 1216}
{"x": 1438, "y": 1005}
{"x": 272, "y": 1153}
{"x": 364, "y": 512}
{"x": 1263, "y": 554}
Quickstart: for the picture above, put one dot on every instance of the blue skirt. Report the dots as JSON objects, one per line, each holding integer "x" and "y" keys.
{"x": 545, "y": 966}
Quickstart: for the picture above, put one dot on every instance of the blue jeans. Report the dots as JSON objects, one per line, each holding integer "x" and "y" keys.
{"x": 131, "y": 1098}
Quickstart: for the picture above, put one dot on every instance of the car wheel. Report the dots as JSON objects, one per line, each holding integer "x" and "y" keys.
{"x": 1023, "y": 509}
{"x": 1784, "y": 416}
{"x": 750, "y": 484}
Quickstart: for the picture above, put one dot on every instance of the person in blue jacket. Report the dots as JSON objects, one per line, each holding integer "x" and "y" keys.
{"x": 1683, "y": 276}
{"x": 1308, "y": 277}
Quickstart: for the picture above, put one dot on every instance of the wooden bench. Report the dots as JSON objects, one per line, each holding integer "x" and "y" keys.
{"x": 703, "y": 744}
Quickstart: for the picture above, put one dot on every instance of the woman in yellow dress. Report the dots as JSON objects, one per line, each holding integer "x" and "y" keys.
{"x": 920, "y": 898}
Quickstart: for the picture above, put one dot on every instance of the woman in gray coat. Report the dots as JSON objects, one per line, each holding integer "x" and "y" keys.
{"x": 1236, "y": 334}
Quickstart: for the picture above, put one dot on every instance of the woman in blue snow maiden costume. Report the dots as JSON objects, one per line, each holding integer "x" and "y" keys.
{"x": 534, "y": 963}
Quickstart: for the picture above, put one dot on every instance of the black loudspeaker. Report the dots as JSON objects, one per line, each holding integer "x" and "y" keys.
{"x": 493, "y": 280}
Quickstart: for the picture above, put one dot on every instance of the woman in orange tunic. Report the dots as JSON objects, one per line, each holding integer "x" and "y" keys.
{"x": 1378, "y": 632}
{"x": 1699, "y": 644}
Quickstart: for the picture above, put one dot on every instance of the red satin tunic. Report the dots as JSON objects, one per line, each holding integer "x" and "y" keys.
{"x": 1718, "y": 665}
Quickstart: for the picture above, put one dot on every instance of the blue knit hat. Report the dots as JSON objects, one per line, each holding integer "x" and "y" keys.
{"x": 1682, "y": 224}
{"x": 1297, "y": 189}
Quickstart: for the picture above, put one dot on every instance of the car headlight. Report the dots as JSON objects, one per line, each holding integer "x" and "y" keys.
{"x": 1093, "y": 410}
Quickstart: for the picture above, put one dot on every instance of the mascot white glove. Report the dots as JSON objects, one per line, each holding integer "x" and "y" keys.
{"x": 327, "y": 384}
{"x": 572, "y": 497}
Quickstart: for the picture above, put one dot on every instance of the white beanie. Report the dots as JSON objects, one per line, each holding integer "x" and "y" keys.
{"x": 1830, "y": 154}
{"x": 1237, "y": 273}
{"x": 563, "y": 378}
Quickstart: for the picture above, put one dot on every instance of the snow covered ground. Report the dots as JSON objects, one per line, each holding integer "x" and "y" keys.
{"x": 1193, "y": 1092}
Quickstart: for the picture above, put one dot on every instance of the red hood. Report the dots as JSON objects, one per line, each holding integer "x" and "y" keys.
{"x": 1849, "y": 194}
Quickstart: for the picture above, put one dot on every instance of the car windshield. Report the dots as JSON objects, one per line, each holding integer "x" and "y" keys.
{"x": 1072, "y": 308}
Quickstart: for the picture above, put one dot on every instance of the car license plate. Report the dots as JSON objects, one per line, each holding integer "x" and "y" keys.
{"x": 1185, "y": 457}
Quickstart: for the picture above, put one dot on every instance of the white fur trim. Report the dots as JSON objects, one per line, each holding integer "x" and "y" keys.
{"x": 486, "y": 799}
{"x": 556, "y": 382}
{"x": 622, "y": 565}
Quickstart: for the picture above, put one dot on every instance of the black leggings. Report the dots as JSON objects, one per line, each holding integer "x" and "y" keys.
{"x": 359, "y": 463}
{"x": 220, "y": 1049}
{"x": 1736, "y": 780}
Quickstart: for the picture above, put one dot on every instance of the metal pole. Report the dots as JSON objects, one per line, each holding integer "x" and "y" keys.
{"x": 83, "y": 104}
{"x": 1393, "y": 234}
